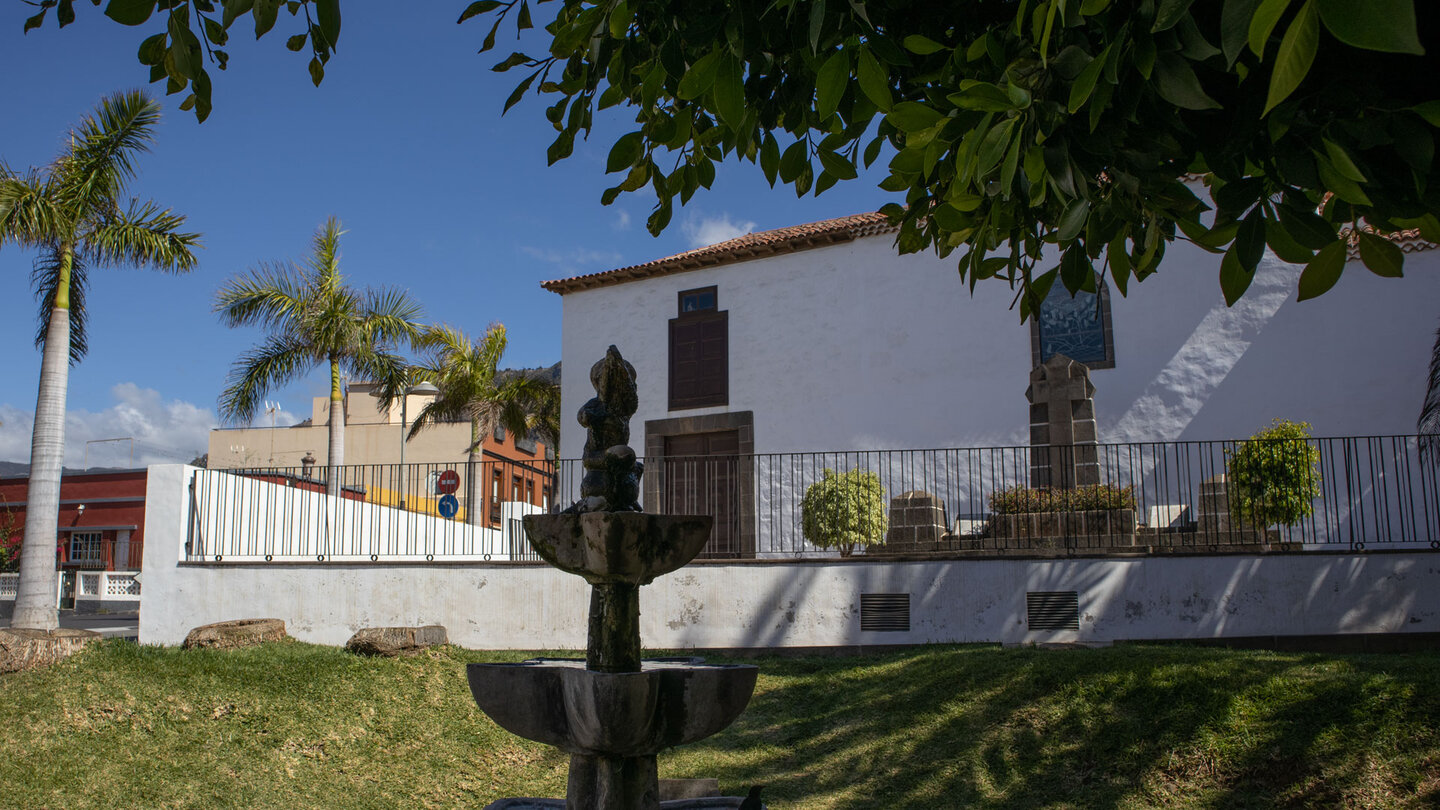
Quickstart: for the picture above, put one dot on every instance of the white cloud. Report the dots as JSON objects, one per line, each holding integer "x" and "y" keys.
{"x": 622, "y": 220}
{"x": 703, "y": 231}
{"x": 574, "y": 260}
{"x": 154, "y": 430}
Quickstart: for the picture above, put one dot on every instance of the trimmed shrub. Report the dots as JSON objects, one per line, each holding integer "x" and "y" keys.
{"x": 845, "y": 510}
{"x": 1274, "y": 475}
{"x": 1017, "y": 500}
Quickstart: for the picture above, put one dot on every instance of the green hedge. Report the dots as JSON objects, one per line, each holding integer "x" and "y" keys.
{"x": 1016, "y": 500}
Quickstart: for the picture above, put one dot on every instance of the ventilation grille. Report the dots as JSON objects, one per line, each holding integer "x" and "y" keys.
{"x": 1053, "y": 610}
{"x": 885, "y": 612}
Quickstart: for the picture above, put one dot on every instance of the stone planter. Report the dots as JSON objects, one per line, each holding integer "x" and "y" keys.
{"x": 1093, "y": 527}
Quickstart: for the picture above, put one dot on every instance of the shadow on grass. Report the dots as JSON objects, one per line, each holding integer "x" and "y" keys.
{"x": 1124, "y": 727}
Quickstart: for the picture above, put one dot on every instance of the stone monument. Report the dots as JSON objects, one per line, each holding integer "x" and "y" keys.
{"x": 613, "y": 712}
{"x": 1063, "y": 442}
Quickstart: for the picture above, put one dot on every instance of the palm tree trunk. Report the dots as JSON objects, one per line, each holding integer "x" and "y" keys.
{"x": 475, "y": 506}
{"x": 335, "y": 458}
{"x": 35, "y": 602}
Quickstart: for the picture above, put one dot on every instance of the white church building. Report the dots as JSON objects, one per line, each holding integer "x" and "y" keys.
{"x": 822, "y": 338}
{"x": 826, "y": 339}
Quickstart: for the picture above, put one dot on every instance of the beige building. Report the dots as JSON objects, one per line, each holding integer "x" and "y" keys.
{"x": 512, "y": 469}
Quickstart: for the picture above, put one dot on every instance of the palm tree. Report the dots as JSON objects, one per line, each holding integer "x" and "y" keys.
{"x": 70, "y": 212}
{"x": 543, "y": 417}
{"x": 313, "y": 320}
{"x": 473, "y": 390}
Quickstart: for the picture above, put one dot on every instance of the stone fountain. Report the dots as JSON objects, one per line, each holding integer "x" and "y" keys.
{"x": 613, "y": 712}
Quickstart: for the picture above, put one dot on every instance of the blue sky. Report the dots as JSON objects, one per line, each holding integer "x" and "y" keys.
{"x": 404, "y": 142}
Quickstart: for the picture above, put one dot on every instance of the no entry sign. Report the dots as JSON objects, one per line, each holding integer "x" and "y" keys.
{"x": 448, "y": 482}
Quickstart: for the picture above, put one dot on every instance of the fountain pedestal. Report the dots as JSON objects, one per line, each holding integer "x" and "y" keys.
{"x": 613, "y": 712}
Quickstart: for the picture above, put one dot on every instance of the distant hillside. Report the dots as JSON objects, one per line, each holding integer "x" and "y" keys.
{"x": 552, "y": 373}
{"x": 15, "y": 469}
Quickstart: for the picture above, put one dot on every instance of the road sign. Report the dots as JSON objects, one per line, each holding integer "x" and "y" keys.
{"x": 448, "y": 506}
{"x": 448, "y": 482}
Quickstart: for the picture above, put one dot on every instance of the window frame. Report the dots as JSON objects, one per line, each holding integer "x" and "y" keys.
{"x": 1102, "y": 292}
{"x": 98, "y": 540}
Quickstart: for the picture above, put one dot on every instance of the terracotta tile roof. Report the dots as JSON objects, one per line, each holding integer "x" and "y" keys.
{"x": 803, "y": 237}
{"x": 1409, "y": 241}
{"x": 749, "y": 246}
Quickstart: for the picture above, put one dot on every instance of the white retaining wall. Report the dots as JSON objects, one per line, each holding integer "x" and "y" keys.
{"x": 794, "y": 604}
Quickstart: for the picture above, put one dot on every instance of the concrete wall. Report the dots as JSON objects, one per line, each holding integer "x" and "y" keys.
{"x": 854, "y": 347}
{"x": 790, "y": 604}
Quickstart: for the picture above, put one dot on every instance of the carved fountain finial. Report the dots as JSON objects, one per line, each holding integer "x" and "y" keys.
{"x": 612, "y": 477}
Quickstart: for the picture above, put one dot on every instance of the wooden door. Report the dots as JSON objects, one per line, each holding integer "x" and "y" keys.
{"x": 701, "y": 477}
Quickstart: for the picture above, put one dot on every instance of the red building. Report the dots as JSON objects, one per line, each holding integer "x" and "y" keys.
{"x": 102, "y": 519}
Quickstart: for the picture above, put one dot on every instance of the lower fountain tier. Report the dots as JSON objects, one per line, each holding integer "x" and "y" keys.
{"x": 612, "y": 714}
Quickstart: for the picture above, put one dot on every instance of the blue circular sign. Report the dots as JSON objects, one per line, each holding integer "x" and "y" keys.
{"x": 448, "y": 506}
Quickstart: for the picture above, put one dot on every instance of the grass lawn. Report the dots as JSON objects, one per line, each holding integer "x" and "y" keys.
{"x": 292, "y": 725}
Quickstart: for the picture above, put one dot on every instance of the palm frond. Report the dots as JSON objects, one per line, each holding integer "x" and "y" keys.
{"x": 28, "y": 213}
{"x": 99, "y": 163}
{"x": 324, "y": 259}
{"x": 270, "y": 296}
{"x": 387, "y": 369}
{"x": 277, "y": 361}
{"x": 393, "y": 316}
{"x": 144, "y": 236}
{"x": 45, "y": 278}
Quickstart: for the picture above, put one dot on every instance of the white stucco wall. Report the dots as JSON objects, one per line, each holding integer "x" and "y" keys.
{"x": 787, "y": 604}
{"x": 855, "y": 347}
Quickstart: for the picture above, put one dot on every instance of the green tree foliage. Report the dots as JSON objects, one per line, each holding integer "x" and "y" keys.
{"x": 1274, "y": 475}
{"x": 1040, "y": 140}
{"x": 845, "y": 510}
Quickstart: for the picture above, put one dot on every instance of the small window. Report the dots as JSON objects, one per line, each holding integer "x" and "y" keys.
{"x": 499, "y": 434}
{"x": 701, "y": 300}
{"x": 85, "y": 548}
{"x": 545, "y": 498}
{"x": 529, "y": 491}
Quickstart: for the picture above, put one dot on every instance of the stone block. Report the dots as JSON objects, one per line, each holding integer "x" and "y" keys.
{"x": 389, "y": 642}
{"x": 235, "y": 634}
{"x": 917, "y": 522}
{"x": 22, "y": 649}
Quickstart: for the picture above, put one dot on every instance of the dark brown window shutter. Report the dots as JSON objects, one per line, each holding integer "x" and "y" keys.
{"x": 700, "y": 360}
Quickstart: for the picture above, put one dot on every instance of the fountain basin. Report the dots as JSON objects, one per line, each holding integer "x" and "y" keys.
{"x": 612, "y": 714}
{"x": 609, "y": 547}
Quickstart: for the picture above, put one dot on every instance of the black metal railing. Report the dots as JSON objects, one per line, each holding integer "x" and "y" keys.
{"x": 1357, "y": 493}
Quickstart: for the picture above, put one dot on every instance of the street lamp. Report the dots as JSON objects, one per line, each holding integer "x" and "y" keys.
{"x": 422, "y": 387}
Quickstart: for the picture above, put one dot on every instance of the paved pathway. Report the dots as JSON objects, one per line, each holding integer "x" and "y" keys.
{"x": 110, "y": 625}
